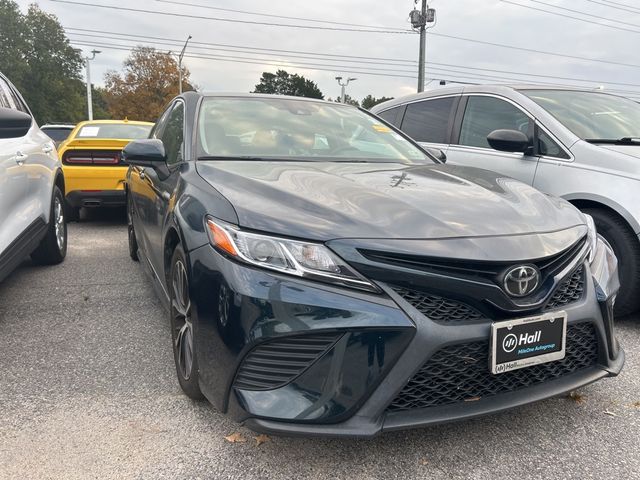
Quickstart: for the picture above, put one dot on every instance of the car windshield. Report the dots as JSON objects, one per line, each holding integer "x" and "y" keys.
{"x": 114, "y": 130}
{"x": 57, "y": 134}
{"x": 591, "y": 115}
{"x": 265, "y": 128}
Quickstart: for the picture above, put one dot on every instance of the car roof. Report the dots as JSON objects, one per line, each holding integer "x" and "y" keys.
{"x": 70, "y": 126}
{"x": 484, "y": 88}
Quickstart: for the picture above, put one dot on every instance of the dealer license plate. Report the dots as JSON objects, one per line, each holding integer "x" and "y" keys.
{"x": 527, "y": 341}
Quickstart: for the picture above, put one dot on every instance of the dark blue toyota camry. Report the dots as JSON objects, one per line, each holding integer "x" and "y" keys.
{"x": 325, "y": 275}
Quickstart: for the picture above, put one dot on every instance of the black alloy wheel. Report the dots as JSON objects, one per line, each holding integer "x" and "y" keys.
{"x": 182, "y": 332}
{"x": 53, "y": 247}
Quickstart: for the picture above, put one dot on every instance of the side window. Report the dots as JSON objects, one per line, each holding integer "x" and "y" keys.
{"x": 6, "y": 96}
{"x": 548, "y": 147}
{"x": 173, "y": 134}
{"x": 391, "y": 115}
{"x": 158, "y": 127}
{"x": 483, "y": 115}
{"x": 428, "y": 121}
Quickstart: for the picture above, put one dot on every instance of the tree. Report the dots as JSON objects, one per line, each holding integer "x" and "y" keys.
{"x": 37, "y": 57}
{"x": 370, "y": 101}
{"x": 282, "y": 83}
{"x": 149, "y": 81}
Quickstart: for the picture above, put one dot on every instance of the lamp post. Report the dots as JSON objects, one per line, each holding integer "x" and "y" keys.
{"x": 180, "y": 63}
{"x": 89, "y": 97}
{"x": 343, "y": 85}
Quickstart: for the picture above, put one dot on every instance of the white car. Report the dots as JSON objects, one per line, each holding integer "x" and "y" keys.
{"x": 32, "y": 220}
{"x": 581, "y": 145}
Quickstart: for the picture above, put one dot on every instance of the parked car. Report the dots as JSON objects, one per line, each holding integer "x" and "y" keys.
{"x": 581, "y": 145}
{"x": 324, "y": 275}
{"x": 93, "y": 169}
{"x": 58, "y": 132}
{"x": 32, "y": 218}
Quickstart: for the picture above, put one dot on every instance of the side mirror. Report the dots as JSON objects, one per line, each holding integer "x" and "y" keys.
{"x": 509, "y": 141}
{"x": 14, "y": 123}
{"x": 145, "y": 153}
{"x": 439, "y": 154}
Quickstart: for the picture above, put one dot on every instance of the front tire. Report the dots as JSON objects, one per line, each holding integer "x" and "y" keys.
{"x": 625, "y": 245}
{"x": 53, "y": 247}
{"x": 182, "y": 332}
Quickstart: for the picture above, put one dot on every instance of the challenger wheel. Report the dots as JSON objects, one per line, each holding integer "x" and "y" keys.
{"x": 182, "y": 333}
{"x": 625, "y": 245}
{"x": 53, "y": 247}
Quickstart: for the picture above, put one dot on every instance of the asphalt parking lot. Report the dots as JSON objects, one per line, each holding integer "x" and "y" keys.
{"x": 88, "y": 390}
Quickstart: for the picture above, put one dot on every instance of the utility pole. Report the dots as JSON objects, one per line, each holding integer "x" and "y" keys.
{"x": 343, "y": 85}
{"x": 89, "y": 96}
{"x": 180, "y": 63}
{"x": 419, "y": 20}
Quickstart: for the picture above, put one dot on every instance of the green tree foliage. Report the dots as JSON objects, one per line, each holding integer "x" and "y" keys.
{"x": 37, "y": 57}
{"x": 282, "y": 83}
{"x": 370, "y": 101}
{"x": 149, "y": 81}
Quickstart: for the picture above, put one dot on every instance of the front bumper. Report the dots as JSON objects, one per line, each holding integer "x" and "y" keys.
{"x": 380, "y": 343}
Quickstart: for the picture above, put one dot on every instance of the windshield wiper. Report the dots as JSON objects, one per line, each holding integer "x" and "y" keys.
{"x": 614, "y": 141}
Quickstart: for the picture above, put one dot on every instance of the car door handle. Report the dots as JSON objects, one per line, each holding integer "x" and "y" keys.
{"x": 141, "y": 174}
{"x": 47, "y": 148}
{"x": 21, "y": 158}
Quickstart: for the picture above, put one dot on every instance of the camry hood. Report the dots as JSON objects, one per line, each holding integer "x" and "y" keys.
{"x": 329, "y": 200}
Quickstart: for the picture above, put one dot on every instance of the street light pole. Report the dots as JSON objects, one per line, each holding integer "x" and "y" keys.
{"x": 180, "y": 63}
{"x": 343, "y": 85}
{"x": 89, "y": 96}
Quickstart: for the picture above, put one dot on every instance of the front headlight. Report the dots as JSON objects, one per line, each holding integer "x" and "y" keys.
{"x": 603, "y": 264}
{"x": 293, "y": 257}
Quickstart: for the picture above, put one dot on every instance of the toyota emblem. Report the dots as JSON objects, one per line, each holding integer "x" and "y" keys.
{"x": 522, "y": 280}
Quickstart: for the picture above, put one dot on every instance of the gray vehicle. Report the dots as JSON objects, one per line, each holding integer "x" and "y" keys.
{"x": 32, "y": 218}
{"x": 581, "y": 145}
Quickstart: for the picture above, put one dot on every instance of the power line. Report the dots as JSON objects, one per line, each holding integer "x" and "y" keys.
{"x": 618, "y": 3}
{"x": 482, "y": 78}
{"x": 565, "y": 16}
{"x": 260, "y": 14}
{"x": 230, "y": 20}
{"x": 635, "y": 25}
{"x": 532, "y": 50}
{"x": 176, "y": 42}
{"x": 626, "y": 9}
{"x": 235, "y": 48}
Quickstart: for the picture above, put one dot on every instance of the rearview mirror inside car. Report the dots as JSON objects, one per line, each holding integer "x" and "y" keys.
{"x": 145, "y": 153}
{"x": 509, "y": 141}
{"x": 14, "y": 123}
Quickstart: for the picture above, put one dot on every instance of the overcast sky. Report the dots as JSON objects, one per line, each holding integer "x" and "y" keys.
{"x": 492, "y": 21}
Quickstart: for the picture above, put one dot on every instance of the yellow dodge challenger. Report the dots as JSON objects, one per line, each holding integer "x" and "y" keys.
{"x": 93, "y": 169}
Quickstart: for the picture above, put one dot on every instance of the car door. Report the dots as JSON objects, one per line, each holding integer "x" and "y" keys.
{"x": 429, "y": 122}
{"x": 16, "y": 211}
{"x": 158, "y": 186}
{"x": 477, "y": 117}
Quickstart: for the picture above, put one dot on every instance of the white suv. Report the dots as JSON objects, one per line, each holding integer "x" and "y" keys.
{"x": 32, "y": 218}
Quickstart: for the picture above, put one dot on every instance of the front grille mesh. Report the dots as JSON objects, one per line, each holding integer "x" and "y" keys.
{"x": 437, "y": 308}
{"x": 569, "y": 291}
{"x": 460, "y": 373}
{"x": 276, "y": 363}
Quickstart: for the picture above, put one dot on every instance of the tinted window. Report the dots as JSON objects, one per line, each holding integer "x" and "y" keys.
{"x": 483, "y": 115}
{"x": 173, "y": 134}
{"x": 548, "y": 147}
{"x": 57, "y": 134}
{"x": 263, "y": 128}
{"x": 391, "y": 115}
{"x": 428, "y": 121}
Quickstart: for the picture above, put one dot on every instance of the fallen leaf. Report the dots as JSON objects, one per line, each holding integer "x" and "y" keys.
{"x": 611, "y": 414}
{"x": 636, "y": 404}
{"x": 262, "y": 438}
{"x": 424, "y": 462}
{"x": 235, "y": 438}
{"x": 577, "y": 397}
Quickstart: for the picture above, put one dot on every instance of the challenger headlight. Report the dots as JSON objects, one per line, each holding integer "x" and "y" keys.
{"x": 293, "y": 257}
{"x": 603, "y": 264}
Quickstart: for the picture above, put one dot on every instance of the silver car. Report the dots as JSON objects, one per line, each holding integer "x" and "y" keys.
{"x": 32, "y": 218}
{"x": 581, "y": 145}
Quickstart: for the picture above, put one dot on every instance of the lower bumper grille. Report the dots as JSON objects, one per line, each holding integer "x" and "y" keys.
{"x": 276, "y": 363}
{"x": 460, "y": 373}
